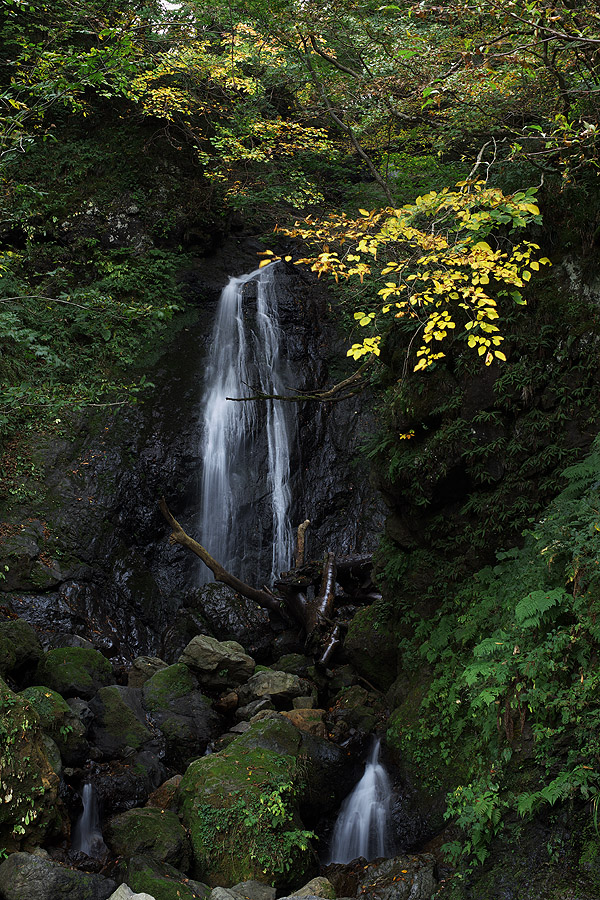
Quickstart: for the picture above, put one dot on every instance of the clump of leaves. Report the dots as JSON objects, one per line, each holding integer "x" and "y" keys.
{"x": 66, "y": 349}
{"x": 514, "y": 655}
{"x": 441, "y": 269}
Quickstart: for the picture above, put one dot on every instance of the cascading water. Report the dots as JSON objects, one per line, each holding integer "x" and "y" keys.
{"x": 362, "y": 827}
{"x": 245, "y": 358}
{"x": 87, "y": 834}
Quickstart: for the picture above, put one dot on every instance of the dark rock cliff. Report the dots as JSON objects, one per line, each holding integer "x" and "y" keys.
{"x": 87, "y": 553}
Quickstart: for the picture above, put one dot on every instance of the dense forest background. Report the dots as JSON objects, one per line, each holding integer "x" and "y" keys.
{"x": 437, "y": 163}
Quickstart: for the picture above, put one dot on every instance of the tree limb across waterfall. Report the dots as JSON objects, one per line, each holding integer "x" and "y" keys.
{"x": 343, "y": 390}
{"x": 179, "y": 536}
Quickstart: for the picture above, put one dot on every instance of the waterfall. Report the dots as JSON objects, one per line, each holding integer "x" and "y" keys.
{"x": 362, "y": 827}
{"x": 87, "y": 834}
{"x": 245, "y": 494}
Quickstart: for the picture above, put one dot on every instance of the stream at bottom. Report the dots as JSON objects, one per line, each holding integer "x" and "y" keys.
{"x": 363, "y": 824}
{"x": 87, "y": 832}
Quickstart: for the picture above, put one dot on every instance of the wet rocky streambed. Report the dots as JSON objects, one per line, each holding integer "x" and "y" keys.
{"x": 212, "y": 775}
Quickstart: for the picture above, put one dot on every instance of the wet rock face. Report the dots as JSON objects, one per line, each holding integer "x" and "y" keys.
{"x": 90, "y": 557}
{"x": 123, "y": 784}
{"x": 25, "y": 875}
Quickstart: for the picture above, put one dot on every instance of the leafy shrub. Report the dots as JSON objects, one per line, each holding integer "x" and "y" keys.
{"x": 514, "y": 654}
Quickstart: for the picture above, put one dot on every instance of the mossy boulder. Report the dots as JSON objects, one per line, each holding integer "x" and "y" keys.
{"x": 28, "y": 782}
{"x": 59, "y": 722}
{"x": 119, "y": 722}
{"x": 241, "y": 807}
{"x": 295, "y": 663}
{"x": 149, "y": 832}
{"x": 372, "y": 648}
{"x": 183, "y": 714}
{"x": 217, "y": 663}
{"x": 20, "y": 649}
{"x": 161, "y": 881}
{"x": 144, "y": 668}
{"x": 75, "y": 671}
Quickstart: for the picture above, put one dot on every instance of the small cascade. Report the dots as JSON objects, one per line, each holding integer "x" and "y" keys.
{"x": 87, "y": 834}
{"x": 362, "y": 827}
{"x": 245, "y": 493}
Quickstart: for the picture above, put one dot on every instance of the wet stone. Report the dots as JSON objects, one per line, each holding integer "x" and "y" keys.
{"x": 143, "y": 668}
{"x": 217, "y": 663}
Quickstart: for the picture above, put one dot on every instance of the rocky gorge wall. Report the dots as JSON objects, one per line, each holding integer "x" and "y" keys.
{"x": 86, "y": 553}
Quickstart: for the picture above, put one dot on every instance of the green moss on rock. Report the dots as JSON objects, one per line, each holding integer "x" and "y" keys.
{"x": 116, "y": 725}
{"x": 183, "y": 714}
{"x": 149, "y": 832}
{"x": 75, "y": 671}
{"x": 167, "y": 685}
{"x": 20, "y": 649}
{"x": 241, "y": 807}
{"x": 59, "y": 722}
{"x": 161, "y": 881}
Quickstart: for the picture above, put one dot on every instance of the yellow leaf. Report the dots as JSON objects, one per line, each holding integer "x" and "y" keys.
{"x": 287, "y": 258}
{"x": 535, "y": 266}
{"x": 264, "y": 262}
{"x": 526, "y": 276}
{"x": 500, "y": 355}
{"x": 481, "y": 350}
{"x": 363, "y": 212}
{"x": 532, "y": 208}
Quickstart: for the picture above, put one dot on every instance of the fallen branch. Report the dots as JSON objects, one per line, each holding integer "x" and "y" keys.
{"x": 179, "y": 536}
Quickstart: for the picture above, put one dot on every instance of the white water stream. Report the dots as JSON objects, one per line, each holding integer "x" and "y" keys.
{"x": 362, "y": 827}
{"x": 246, "y": 446}
{"x": 87, "y": 834}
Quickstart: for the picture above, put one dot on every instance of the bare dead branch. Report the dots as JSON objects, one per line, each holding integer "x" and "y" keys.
{"x": 300, "y": 543}
{"x": 179, "y": 536}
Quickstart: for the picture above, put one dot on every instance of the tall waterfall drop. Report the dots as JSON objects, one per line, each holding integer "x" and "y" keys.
{"x": 245, "y": 493}
{"x": 362, "y": 827}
